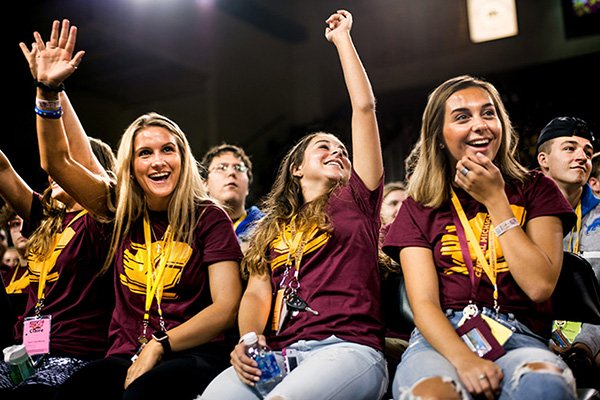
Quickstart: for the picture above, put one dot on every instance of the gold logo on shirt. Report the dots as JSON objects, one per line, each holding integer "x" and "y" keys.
{"x": 451, "y": 246}
{"x": 36, "y": 264}
{"x": 134, "y": 275}
{"x": 281, "y": 248}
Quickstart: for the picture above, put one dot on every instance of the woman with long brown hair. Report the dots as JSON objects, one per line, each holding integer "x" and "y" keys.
{"x": 314, "y": 283}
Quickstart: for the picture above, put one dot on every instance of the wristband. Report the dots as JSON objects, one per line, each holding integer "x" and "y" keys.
{"x": 47, "y": 104}
{"x": 47, "y": 88}
{"x": 506, "y": 226}
{"x": 52, "y": 114}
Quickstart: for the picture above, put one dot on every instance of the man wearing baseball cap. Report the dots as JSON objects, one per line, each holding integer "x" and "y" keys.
{"x": 564, "y": 152}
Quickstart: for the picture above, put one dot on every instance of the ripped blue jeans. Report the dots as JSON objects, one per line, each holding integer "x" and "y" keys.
{"x": 421, "y": 361}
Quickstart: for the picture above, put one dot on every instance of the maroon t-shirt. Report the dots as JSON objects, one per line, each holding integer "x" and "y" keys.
{"x": 419, "y": 226}
{"x": 79, "y": 301}
{"x": 339, "y": 276}
{"x": 186, "y": 280}
{"x": 20, "y": 287}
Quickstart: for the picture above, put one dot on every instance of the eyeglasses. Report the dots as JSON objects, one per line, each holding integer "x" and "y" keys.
{"x": 224, "y": 168}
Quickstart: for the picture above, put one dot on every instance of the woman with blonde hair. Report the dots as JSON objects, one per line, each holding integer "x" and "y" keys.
{"x": 174, "y": 252}
{"x": 314, "y": 284}
{"x": 479, "y": 240}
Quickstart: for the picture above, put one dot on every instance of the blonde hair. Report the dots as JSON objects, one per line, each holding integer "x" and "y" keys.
{"x": 283, "y": 202}
{"x": 130, "y": 203}
{"x": 431, "y": 179}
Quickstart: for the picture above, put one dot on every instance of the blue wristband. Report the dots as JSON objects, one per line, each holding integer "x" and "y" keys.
{"x": 52, "y": 114}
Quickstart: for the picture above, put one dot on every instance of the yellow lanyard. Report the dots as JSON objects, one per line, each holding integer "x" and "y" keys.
{"x": 239, "y": 220}
{"x": 297, "y": 243}
{"x": 154, "y": 276}
{"x": 490, "y": 271}
{"x": 575, "y": 246}
{"x": 46, "y": 267}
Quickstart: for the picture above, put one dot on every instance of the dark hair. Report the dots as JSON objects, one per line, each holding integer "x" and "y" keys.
{"x": 216, "y": 151}
{"x": 596, "y": 166}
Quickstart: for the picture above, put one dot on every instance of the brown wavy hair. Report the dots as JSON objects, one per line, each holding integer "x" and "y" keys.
{"x": 283, "y": 202}
{"x": 431, "y": 179}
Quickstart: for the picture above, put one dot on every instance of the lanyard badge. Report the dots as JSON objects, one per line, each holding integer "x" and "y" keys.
{"x": 154, "y": 277}
{"x": 288, "y": 302}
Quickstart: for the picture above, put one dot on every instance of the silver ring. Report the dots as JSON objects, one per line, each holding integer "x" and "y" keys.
{"x": 482, "y": 376}
{"x": 464, "y": 171}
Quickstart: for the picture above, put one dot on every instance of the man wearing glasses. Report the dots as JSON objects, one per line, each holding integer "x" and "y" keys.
{"x": 228, "y": 175}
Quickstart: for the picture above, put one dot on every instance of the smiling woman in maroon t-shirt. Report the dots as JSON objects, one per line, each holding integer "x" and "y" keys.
{"x": 318, "y": 244}
{"x": 175, "y": 254}
{"x": 480, "y": 244}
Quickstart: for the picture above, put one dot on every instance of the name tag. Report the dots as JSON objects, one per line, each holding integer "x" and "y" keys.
{"x": 36, "y": 334}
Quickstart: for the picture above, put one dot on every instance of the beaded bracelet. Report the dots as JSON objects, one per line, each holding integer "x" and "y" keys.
{"x": 47, "y": 88}
{"x": 47, "y": 104}
{"x": 52, "y": 114}
{"x": 506, "y": 226}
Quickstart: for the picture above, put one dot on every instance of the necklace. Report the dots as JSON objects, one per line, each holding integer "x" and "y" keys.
{"x": 156, "y": 240}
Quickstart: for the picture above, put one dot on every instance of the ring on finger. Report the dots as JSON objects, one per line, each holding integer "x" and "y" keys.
{"x": 482, "y": 376}
{"x": 464, "y": 171}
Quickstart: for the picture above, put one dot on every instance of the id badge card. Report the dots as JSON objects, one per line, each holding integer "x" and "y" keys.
{"x": 477, "y": 335}
{"x": 36, "y": 334}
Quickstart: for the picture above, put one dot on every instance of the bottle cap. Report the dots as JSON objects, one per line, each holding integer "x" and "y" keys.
{"x": 250, "y": 338}
{"x": 13, "y": 354}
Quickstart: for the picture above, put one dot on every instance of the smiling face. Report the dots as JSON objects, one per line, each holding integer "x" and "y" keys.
{"x": 325, "y": 161}
{"x": 156, "y": 165}
{"x": 471, "y": 125}
{"x": 227, "y": 180}
{"x": 567, "y": 160}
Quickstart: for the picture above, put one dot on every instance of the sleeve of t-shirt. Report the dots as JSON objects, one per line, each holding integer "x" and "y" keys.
{"x": 217, "y": 237}
{"x": 368, "y": 201}
{"x": 544, "y": 198}
{"x": 406, "y": 230}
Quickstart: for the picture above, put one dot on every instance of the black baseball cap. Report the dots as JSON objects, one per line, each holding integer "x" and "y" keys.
{"x": 565, "y": 126}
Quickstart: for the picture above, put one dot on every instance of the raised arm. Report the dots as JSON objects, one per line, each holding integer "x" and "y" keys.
{"x": 14, "y": 190}
{"x": 367, "y": 158}
{"x": 75, "y": 168}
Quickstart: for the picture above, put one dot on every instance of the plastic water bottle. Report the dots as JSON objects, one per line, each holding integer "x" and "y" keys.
{"x": 267, "y": 363}
{"x": 19, "y": 363}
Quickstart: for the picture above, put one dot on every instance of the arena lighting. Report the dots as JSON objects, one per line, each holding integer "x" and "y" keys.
{"x": 492, "y": 19}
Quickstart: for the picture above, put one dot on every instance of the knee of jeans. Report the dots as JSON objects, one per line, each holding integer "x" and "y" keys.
{"x": 543, "y": 367}
{"x": 436, "y": 387}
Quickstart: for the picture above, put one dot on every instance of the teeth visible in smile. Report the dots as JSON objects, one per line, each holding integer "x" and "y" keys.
{"x": 481, "y": 142}
{"x": 334, "y": 162}
{"x": 158, "y": 176}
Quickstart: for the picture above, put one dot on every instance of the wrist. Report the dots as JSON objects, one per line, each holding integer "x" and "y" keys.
{"x": 162, "y": 340}
{"x": 48, "y": 86}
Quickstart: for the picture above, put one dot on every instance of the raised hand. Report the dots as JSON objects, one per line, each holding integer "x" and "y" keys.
{"x": 338, "y": 23}
{"x": 53, "y": 62}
